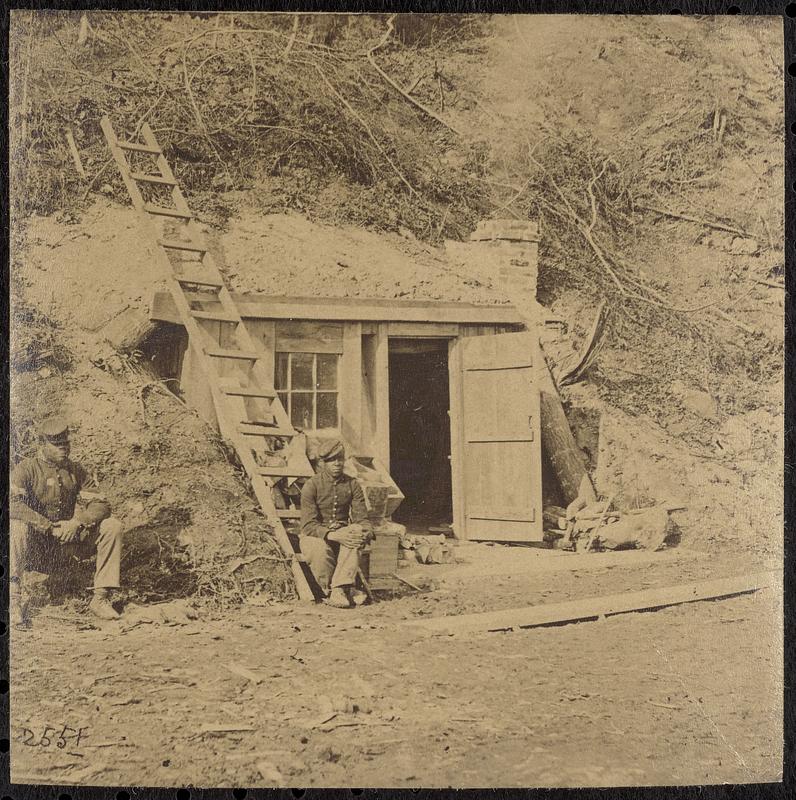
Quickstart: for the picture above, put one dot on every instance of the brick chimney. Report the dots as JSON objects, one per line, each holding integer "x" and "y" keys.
{"x": 510, "y": 249}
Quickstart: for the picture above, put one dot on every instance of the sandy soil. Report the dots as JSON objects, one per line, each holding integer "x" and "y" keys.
{"x": 365, "y": 698}
{"x": 287, "y": 254}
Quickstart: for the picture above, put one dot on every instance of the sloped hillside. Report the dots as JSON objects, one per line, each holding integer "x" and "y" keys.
{"x": 649, "y": 149}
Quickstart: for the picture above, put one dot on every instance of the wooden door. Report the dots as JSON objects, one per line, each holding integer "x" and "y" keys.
{"x": 500, "y": 470}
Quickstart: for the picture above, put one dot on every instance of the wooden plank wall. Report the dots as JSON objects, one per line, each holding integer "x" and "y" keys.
{"x": 298, "y": 336}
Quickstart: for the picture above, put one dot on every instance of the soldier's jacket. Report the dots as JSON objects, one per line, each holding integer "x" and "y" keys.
{"x": 43, "y": 493}
{"x": 326, "y": 500}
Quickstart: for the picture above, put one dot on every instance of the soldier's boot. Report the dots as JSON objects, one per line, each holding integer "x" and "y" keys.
{"x": 338, "y": 598}
{"x": 18, "y": 608}
{"x": 358, "y": 597}
{"x": 101, "y": 607}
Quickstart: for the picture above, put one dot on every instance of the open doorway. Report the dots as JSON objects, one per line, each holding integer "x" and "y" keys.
{"x": 420, "y": 443}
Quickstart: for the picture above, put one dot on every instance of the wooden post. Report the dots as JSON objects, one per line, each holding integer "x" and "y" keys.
{"x": 382, "y": 383}
{"x": 350, "y": 388}
{"x": 457, "y": 446}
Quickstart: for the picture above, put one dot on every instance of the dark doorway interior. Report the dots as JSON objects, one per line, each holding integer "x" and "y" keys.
{"x": 420, "y": 431}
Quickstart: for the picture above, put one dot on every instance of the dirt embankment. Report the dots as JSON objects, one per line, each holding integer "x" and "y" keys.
{"x": 691, "y": 110}
{"x": 700, "y": 398}
{"x": 186, "y": 511}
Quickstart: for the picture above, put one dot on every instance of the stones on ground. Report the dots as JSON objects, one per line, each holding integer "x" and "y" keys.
{"x": 695, "y": 401}
{"x": 648, "y": 530}
{"x": 743, "y": 246}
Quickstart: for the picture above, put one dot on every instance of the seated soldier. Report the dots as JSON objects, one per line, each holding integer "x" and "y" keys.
{"x": 46, "y": 527}
{"x": 334, "y": 525}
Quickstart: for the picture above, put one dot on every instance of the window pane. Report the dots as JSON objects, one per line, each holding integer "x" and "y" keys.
{"x": 283, "y": 399}
{"x": 301, "y": 411}
{"x": 327, "y": 409}
{"x": 280, "y": 375}
{"x": 301, "y": 371}
{"x": 327, "y": 370}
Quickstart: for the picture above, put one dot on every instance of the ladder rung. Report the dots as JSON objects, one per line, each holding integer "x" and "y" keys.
{"x": 175, "y": 245}
{"x": 139, "y": 148}
{"x": 265, "y": 430}
{"x": 166, "y": 212}
{"x": 144, "y": 178}
{"x": 267, "y": 420}
{"x": 218, "y": 316}
{"x": 248, "y": 392}
{"x": 217, "y": 282}
{"x": 221, "y": 352}
{"x": 291, "y": 472}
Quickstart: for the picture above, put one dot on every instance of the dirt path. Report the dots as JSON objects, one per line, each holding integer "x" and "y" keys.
{"x": 367, "y": 699}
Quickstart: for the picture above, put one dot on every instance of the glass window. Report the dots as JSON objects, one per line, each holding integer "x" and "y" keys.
{"x": 327, "y": 371}
{"x": 327, "y": 410}
{"x": 301, "y": 369}
{"x": 306, "y": 385}
{"x": 301, "y": 410}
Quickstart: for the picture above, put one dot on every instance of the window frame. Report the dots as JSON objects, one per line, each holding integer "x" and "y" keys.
{"x": 288, "y": 391}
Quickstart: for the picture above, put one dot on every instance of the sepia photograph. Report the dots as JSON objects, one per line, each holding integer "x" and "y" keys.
{"x": 396, "y": 400}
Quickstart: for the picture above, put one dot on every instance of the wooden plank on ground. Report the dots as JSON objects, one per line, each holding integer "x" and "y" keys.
{"x": 595, "y": 607}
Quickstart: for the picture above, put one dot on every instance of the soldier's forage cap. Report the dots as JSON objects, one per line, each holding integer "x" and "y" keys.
{"x": 331, "y": 449}
{"x": 55, "y": 430}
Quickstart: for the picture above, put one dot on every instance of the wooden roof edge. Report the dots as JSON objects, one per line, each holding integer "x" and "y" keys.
{"x": 259, "y": 306}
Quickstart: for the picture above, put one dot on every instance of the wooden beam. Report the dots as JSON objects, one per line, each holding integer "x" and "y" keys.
{"x": 258, "y": 306}
{"x": 438, "y": 344}
{"x": 349, "y": 378}
{"x": 595, "y": 607}
{"x": 457, "y": 443}
{"x": 382, "y": 385}
{"x": 448, "y": 330}
{"x": 368, "y": 389}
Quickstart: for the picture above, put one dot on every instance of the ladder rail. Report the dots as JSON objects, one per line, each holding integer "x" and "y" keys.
{"x": 261, "y": 480}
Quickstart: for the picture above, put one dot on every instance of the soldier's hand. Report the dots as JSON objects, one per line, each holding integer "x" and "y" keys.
{"x": 348, "y": 537}
{"x": 68, "y": 530}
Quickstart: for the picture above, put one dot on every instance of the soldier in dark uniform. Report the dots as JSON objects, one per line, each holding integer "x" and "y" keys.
{"x": 334, "y": 525}
{"x": 46, "y": 523}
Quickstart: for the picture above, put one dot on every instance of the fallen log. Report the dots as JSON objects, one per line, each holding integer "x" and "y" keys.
{"x": 128, "y": 329}
{"x": 596, "y": 607}
{"x": 559, "y": 443}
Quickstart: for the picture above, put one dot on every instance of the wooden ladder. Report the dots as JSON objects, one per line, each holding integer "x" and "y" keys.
{"x": 248, "y": 410}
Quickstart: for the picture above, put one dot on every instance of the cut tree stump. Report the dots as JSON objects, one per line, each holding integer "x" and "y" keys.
{"x": 595, "y": 607}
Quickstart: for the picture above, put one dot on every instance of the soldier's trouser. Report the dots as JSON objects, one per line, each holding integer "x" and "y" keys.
{"x": 332, "y": 564}
{"x": 29, "y": 549}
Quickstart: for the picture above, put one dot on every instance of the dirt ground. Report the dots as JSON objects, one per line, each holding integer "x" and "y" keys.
{"x": 366, "y": 698}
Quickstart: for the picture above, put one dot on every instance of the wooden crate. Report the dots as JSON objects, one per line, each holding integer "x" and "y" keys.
{"x": 383, "y": 556}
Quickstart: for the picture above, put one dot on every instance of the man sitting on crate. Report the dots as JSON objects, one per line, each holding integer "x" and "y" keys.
{"x": 334, "y": 525}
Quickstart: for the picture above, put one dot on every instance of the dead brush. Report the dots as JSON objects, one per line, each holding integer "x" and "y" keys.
{"x": 232, "y": 103}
